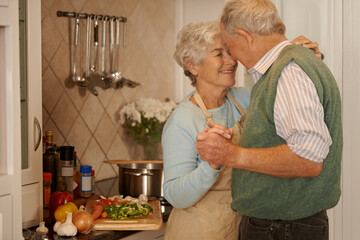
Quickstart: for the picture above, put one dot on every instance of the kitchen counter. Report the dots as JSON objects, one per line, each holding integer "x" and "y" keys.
{"x": 107, "y": 188}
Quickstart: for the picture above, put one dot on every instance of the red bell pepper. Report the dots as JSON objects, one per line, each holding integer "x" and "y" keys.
{"x": 57, "y": 199}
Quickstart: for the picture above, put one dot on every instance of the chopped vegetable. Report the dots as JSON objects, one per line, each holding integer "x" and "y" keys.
{"x": 97, "y": 209}
{"x": 127, "y": 210}
{"x": 106, "y": 201}
{"x": 104, "y": 215}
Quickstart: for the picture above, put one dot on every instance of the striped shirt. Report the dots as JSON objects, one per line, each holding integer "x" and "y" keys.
{"x": 298, "y": 113}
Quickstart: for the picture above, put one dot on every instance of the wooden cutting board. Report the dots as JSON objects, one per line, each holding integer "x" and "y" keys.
{"x": 152, "y": 222}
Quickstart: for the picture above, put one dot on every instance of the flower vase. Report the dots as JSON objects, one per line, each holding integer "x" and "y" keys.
{"x": 151, "y": 150}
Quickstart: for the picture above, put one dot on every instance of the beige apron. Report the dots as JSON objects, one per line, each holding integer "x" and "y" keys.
{"x": 211, "y": 218}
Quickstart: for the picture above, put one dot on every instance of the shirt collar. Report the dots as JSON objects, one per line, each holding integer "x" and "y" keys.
{"x": 266, "y": 61}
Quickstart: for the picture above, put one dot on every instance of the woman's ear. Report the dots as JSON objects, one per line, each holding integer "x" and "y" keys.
{"x": 247, "y": 36}
{"x": 191, "y": 67}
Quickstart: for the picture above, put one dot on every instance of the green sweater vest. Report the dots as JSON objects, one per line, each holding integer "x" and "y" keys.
{"x": 267, "y": 197}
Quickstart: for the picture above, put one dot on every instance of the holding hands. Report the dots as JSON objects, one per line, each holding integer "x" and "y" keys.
{"x": 214, "y": 145}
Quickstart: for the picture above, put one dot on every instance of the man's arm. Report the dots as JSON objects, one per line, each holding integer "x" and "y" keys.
{"x": 277, "y": 161}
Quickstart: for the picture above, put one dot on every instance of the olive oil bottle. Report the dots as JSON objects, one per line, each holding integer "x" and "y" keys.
{"x": 51, "y": 159}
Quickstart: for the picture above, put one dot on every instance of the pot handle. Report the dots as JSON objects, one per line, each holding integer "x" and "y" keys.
{"x": 138, "y": 174}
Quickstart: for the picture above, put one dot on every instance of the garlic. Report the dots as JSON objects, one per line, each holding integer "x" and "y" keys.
{"x": 42, "y": 228}
{"x": 143, "y": 199}
{"x": 56, "y": 226}
{"x": 67, "y": 228}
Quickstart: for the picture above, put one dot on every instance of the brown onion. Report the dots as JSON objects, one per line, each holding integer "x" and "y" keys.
{"x": 83, "y": 221}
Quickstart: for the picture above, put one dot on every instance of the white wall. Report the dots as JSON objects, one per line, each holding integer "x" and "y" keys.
{"x": 350, "y": 211}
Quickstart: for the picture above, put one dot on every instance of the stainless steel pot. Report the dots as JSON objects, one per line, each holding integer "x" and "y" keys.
{"x": 141, "y": 178}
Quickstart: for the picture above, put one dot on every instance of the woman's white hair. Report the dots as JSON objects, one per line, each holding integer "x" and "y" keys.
{"x": 258, "y": 17}
{"x": 193, "y": 42}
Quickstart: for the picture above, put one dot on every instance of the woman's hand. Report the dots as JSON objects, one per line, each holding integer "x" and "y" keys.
{"x": 301, "y": 40}
{"x": 221, "y": 130}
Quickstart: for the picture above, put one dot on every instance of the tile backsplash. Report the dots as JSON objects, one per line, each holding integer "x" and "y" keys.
{"x": 91, "y": 123}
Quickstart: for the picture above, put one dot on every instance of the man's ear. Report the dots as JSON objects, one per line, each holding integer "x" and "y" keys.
{"x": 247, "y": 36}
{"x": 191, "y": 67}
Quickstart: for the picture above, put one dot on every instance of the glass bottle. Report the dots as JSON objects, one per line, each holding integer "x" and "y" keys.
{"x": 76, "y": 176}
{"x": 50, "y": 159}
{"x": 60, "y": 181}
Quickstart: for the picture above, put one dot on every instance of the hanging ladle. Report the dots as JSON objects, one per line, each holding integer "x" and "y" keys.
{"x": 109, "y": 78}
{"x": 95, "y": 75}
{"x": 116, "y": 75}
{"x": 100, "y": 77}
{"x": 119, "y": 80}
{"x": 75, "y": 78}
{"x": 105, "y": 81}
{"x": 90, "y": 83}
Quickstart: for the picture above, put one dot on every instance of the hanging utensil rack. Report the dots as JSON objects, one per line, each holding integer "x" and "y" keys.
{"x": 85, "y": 15}
{"x": 119, "y": 81}
{"x": 93, "y": 16}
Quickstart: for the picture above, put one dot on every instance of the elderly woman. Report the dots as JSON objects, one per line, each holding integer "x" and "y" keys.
{"x": 200, "y": 192}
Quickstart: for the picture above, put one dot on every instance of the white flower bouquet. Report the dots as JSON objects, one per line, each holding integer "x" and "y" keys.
{"x": 145, "y": 119}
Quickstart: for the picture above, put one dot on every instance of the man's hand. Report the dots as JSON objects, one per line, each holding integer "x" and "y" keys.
{"x": 214, "y": 148}
{"x": 301, "y": 40}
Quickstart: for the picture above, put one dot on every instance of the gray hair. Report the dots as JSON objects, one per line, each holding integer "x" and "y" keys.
{"x": 258, "y": 17}
{"x": 192, "y": 44}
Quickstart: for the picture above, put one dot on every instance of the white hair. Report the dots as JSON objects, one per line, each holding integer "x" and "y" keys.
{"x": 258, "y": 17}
{"x": 193, "y": 42}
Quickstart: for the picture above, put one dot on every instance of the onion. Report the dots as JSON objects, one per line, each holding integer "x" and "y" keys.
{"x": 83, "y": 221}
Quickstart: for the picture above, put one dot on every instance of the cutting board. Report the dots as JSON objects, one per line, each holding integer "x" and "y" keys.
{"x": 152, "y": 222}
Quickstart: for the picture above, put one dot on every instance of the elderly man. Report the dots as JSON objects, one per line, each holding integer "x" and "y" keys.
{"x": 288, "y": 162}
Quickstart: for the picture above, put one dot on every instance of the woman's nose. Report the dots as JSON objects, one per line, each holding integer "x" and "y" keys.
{"x": 229, "y": 60}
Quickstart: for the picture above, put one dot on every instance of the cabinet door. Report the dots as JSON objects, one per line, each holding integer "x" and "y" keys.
{"x": 30, "y": 205}
{"x": 31, "y": 112}
{"x": 6, "y": 217}
{"x": 10, "y": 135}
{"x": 31, "y": 90}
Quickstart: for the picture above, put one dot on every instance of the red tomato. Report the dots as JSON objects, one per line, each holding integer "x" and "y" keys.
{"x": 106, "y": 202}
{"x": 57, "y": 199}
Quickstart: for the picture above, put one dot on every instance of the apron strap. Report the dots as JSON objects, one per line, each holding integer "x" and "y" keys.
{"x": 208, "y": 115}
{"x": 201, "y": 104}
{"x": 236, "y": 103}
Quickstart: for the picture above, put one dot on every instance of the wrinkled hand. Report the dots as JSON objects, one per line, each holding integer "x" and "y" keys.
{"x": 214, "y": 148}
{"x": 221, "y": 130}
{"x": 301, "y": 40}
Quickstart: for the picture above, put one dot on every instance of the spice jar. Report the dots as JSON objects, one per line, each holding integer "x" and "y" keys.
{"x": 46, "y": 188}
{"x": 85, "y": 181}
